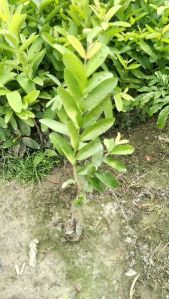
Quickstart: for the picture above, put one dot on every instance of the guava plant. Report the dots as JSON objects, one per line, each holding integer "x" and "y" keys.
{"x": 85, "y": 112}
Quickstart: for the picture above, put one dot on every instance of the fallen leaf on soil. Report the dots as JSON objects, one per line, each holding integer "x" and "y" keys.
{"x": 165, "y": 139}
{"x": 33, "y": 252}
{"x": 18, "y": 271}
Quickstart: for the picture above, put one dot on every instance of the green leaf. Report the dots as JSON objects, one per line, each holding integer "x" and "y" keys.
{"x": 73, "y": 134}
{"x": 73, "y": 84}
{"x": 28, "y": 42}
{"x": 5, "y": 78}
{"x": 3, "y": 124}
{"x": 4, "y": 10}
{"x": 24, "y": 128}
{"x": 89, "y": 150}
{"x": 110, "y": 144}
{"x": 146, "y": 48}
{"x": 108, "y": 108}
{"x": 76, "y": 45}
{"x": 16, "y": 23}
{"x": 55, "y": 126}
{"x": 121, "y": 24}
{"x": 91, "y": 117}
{"x": 93, "y": 49}
{"x": 97, "y": 129}
{"x": 2, "y": 135}
{"x": 13, "y": 123}
{"x": 30, "y": 143}
{"x": 26, "y": 83}
{"x": 38, "y": 59}
{"x": 38, "y": 159}
{"x": 107, "y": 179}
{"x": 100, "y": 93}
{"x": 112, "y": 11}
{"x": 31, "y": 97}
{"x": 60, "y": 143}
{"x": 116, "y": 164}
{"x": 123, "y": 149}
{"x": 118, "y": 102}
{"x": 25, "y": 114}
{"x": 8, "y": 143}
{"x": 96, "y": 61}
{"x": 70, "y": 106}
{"x": 163, "y": 116}
{"x": 73, "y": 63}
{"x": 96, "y": 184}
{"x": 50, "y": 153}
{"x": 98, "y": 78}
{"x": 15, "y": 101}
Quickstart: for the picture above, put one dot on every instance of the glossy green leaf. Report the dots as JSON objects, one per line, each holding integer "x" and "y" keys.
{"x": 107, "y": 179}
{"x": 73, "y": 134}
{"x": 97, "y": 129}
{"x": 73, "y": 63}
{"x": 115, "y": 164}
{"x": 55, "y": 126}
{"x": 70, "y": 106}
{"x": 89, "y": 150}
{"x": 100, "y": 93}
{"x": 123, "y": 149}
{"x": 15, "y": 101}
{"x": 163, "y": 116}
{"x": 96, "y": 61}
{"x": 61, "y": 144}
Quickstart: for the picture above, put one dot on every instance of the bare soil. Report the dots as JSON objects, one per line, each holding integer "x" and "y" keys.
{"x": 124, "y": 250}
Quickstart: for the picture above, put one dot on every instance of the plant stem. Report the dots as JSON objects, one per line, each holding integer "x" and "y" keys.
{"x": 78, "y": 180}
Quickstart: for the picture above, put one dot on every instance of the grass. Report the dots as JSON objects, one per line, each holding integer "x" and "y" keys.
{"x": 31, "y": 168}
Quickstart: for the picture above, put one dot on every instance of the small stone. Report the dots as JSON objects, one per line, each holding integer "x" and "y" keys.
{"x": 130, "y": 273}
{"x": 77, "y": 287}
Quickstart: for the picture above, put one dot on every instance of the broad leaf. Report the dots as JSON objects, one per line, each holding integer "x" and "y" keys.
{"x": 96, "y": 184}
{"x": 112, "y": 11}
{"x": 31, "y": 97}
{"x": 91, "y": 117}
{"x": 96, "y": 61}
{"x": 89, "y": 150}
{"x": 73, "y": 63}
{"x": 60, "y": 142}
{"x": 73, "y": 134}
{"x": 98, "y": 78}
{"x": 100, "y": 93}
{"x": 123, "y": 149}
{"x": 55, "y": 126}
{"x": 162, "y": 118}
{"x": 97, "y": 129}
{"x": 93, "y": 50}
{"x": 73, "y": 85}
{"x": 30, "y": 143}
{"x": 107, "y": 179}
{"x": 76, "y": 45}
{"x": 116, "y": 164}
{"x": 15, "y": 101}
{"x": 16, "y": 23}
{"x": 70, "y": 106}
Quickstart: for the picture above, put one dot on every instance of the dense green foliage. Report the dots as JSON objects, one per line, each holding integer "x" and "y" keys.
{"x": 155, "y": 97}
{"x": 74, "y": 63}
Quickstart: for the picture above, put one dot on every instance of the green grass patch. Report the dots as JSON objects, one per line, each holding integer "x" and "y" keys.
{"x": 31, "y": 168}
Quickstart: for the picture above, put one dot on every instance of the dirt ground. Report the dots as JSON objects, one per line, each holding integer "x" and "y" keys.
{"x": 124, "y": 250}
